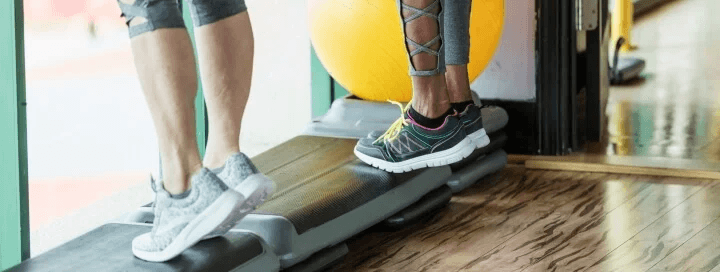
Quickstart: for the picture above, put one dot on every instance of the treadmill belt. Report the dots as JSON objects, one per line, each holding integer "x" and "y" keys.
{"x": 323, "y": 184}
{"x": 108, "y": 248}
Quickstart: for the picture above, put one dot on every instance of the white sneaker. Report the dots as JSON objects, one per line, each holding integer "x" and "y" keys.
{"x": 241, "y": 174}
{"x": 209, "y": 207}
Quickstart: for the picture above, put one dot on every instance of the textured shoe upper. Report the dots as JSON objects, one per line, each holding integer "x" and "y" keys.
{"x": 236, "y": 169}
{"x": 471, "y": 118}
{"x": 413, "y": 140}
{"x": 172, "y": 215}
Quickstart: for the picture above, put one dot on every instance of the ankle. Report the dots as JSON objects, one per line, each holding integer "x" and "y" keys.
{"x": 429, "y": 109}
{"x": 176, "y": 181}
{"x": 177, "y": 169}
{"x": 429, "y": 122}
{"x": 461, "y": 106}
{"x": 215, "y": 158}
{"x": 458, "y": 83}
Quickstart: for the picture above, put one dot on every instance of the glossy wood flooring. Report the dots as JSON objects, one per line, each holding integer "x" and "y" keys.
{"x": 668, "y": 119}
{"x": 535, "y": 220}
{"x": 674, "y": 110}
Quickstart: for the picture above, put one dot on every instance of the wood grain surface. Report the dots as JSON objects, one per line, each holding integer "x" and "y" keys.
{"x": 531, "y": 220}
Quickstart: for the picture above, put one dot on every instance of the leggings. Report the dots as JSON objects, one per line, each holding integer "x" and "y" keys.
{"x": 168, "y": 13}
{"x": 454, "y": 34}
{"x": 453, "y": 19}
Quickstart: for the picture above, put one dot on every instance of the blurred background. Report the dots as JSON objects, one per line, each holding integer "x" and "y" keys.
{"x": 91, "y": 141}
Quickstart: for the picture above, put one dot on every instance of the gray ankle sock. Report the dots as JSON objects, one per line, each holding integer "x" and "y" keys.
{"x": 181, "y": 195}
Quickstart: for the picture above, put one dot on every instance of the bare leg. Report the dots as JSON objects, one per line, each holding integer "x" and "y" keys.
{"x": 225, "y": 50}
{"x": 166, "y": 67}
{"x": 457, "y": 80}
{"x": 430, "y": 97}
{"x": 458, "y": 83}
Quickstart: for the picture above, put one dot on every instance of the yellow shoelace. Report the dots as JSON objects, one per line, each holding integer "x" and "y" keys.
{"x": 397, "y": 126}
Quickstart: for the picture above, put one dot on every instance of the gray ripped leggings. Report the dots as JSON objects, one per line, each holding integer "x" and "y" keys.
{"x": 168, "y": 13}
{"x": 453, "y": 18}
{"x": 454, "y": 33}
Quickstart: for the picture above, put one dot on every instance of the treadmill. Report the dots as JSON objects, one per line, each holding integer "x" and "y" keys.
{"x": 324, "y": 196}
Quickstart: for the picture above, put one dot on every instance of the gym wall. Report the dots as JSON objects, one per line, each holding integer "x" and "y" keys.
{"x": 511, "y": 73}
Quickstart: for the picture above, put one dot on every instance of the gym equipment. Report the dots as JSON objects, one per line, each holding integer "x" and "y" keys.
{"x": 108, "y": 248}
{"x": 626, "y": 68}
{"x": 324, "y": 196}
{"x": 457, "y": 182}
{"x": 361, "y": 44}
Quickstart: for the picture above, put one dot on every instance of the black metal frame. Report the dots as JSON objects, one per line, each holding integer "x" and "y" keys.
{"x": 555, "y": 81}
{"x": 597, "y": 74}
{"x": 570, "y": 84}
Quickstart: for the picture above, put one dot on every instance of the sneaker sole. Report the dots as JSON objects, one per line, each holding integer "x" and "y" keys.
{"x": 258, "y": 188}
{"x": 479, "y": 138}
{"x": 223, "y": 209}
{"x": 452, "y": 155}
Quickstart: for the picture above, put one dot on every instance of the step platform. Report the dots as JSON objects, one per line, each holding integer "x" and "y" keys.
{"x": 326, "y": 195}
{"x": 351, "y": 117}
{"x": 108, "y": 248}
{"x": 427, "y": 206}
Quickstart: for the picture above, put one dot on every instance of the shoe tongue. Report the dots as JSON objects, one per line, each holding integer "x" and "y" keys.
{"x": 152, "y": 184}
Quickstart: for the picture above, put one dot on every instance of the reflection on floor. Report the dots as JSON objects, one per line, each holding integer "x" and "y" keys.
{"x": 670, "y": 118}
{"x": 531, "y": 220}
{"x": 674, "y": 111}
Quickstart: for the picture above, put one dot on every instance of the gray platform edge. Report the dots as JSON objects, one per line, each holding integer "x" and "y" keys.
{"x": 268, "y": 261}
{"x": 355, "y": 118}
{"x": 292, "y": 248}
{"x": 470, "y": 174}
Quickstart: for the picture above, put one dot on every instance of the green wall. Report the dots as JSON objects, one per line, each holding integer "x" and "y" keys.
{"x": 14, "y": 222}
{"x": 324, "y": 88}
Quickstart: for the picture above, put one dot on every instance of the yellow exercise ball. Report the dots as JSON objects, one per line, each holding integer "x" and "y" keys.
{"x": 361, "y": 44}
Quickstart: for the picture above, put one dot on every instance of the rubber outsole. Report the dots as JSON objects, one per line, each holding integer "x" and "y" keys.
{"x": 223, "y": 209}
{"x": 454, "y": 154}
{"x": 475, "y": 140}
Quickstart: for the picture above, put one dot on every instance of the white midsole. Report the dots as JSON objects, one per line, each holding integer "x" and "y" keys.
{"x": 255, "y": 184}
{"x": 222, "y": 208}
{"x": 479, "y": 138}
{"x": 456, "y": 153}
{"x": 256, "y": 188}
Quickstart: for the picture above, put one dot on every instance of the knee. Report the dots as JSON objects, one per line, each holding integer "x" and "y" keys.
{"x": 143, "y": 16}
{"x": 205, "y": 12}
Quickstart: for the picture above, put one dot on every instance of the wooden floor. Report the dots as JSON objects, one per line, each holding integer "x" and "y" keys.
{"x": 536, "y": 220}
